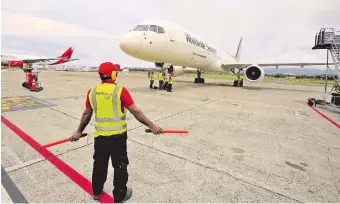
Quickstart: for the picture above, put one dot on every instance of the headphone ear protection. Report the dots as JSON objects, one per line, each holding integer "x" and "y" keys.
{"x": 114, "y": 75}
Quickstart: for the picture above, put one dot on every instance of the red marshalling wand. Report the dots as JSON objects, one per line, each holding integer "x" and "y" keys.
{"x": 60, "y": 141}
{"x": 171, "y": 131}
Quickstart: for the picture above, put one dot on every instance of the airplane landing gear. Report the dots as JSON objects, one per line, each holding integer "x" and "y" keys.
{"x": 239, "y": 81}
{"x": 198, "y": 79}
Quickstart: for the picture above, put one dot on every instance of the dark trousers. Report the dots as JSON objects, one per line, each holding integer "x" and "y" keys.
{"x": 169, "y": 88}
{"x": 151, "y": 84}
{"x": 165, "y": 85}
{"x": 160, "y": 84}
{"x": 104, "y": 148}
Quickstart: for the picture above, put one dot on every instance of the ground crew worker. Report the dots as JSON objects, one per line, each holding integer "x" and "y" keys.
{"x": 171, "y": 81}
{"x": 337, "y": 87}
{"x": 152, "y": 79}
{"x": 108, "y": 101}
{"x": 160, "y": 79}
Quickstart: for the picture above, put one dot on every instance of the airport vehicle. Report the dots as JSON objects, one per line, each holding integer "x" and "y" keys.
{"x": 36, "y": 85}
{"x": 172, "y": 47}
{"x": 15, "y": 60}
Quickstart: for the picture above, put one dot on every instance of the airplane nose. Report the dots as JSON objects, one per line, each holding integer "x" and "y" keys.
{"x": 130, "y": 44}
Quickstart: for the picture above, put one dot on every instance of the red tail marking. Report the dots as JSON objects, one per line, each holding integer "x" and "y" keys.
{"x": 67, "y": 54}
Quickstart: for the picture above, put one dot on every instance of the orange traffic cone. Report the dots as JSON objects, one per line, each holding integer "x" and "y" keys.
{"x": 33, "y": 87}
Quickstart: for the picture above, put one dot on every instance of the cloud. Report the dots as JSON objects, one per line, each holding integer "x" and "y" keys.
{"x": 22, "y": 24}
{"x": 273, "y": 31}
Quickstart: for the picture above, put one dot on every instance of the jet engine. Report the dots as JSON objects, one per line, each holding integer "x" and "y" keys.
{"x": 254, "y": 73}
{"x": 177, "y": 70}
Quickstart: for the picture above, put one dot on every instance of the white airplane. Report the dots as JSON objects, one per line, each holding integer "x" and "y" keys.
{"x": 162, "y": 41}
{"x": 19, "y": 60}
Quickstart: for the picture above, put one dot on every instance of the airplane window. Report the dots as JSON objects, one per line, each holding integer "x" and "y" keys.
{"x": 141, "y": 28}
{"x": 153, "y": 28}
{"x": 138, "y": 27}
{"x": 160, "y": 30}
{"x": 145, "y": 27}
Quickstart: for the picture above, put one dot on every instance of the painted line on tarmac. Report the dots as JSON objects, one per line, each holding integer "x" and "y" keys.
{"x": 12, "y": 190}
{"x": 75, "y": 176}
{"x": 326, "y": 117}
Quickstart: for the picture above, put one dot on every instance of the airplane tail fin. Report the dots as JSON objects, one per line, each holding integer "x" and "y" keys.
{"x": 237, "y": 56}
{"x": 68, "y": 53}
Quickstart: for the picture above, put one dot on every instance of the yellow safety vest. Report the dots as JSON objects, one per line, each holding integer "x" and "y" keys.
{"x": 160, "y": 76}
{"x": 152, "y": 77}
{"x": 171, "y": 81}
{"x": 106, "y": 104}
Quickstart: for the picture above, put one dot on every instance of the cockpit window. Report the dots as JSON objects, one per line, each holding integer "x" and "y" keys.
{"x": 153, "y": 28}
{"x": 160, "y": 30}
{"x": 141, "y": 28}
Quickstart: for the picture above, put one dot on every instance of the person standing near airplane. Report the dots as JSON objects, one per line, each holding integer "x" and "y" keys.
{"x": 152, "y": 79}
{"x": 170, "y": 82}
{"x": 160, "y": 79}
{"x": 109, "y": 103}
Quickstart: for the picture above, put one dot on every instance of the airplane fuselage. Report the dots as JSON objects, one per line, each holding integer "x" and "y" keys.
{"x": 19, "y": 60}
{"x": 7, "y": 58}
{"x": 176, "y": 46}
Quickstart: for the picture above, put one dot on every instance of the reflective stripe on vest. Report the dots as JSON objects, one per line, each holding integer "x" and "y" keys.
{"x": 105, "y": 101}
{"x": 160, "y": 76}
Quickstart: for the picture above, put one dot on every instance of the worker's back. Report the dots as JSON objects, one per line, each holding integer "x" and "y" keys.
{"x": 110, "y": 115}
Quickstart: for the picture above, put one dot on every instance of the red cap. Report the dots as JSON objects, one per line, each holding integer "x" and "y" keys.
{"x": 106, "y": 68}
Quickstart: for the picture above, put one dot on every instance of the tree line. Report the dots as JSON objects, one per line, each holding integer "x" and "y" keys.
{"x": 303, "y": 76}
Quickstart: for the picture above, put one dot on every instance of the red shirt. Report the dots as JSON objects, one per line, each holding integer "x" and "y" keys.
{"x": 125, "y": 98}
{"x": 30, "y": 78}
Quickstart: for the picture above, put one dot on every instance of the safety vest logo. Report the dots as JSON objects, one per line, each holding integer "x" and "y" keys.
{"x": 107, "y": 96}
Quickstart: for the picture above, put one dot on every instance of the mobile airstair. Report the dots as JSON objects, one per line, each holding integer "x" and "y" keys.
{"x": 328, "y": 39}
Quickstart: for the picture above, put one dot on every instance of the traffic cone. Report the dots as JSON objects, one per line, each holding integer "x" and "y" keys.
{"x": 33, "y": 87}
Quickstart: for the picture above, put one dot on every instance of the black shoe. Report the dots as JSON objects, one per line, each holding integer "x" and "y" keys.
{"x": 97, "y": 197}
{"x": 128, "y": 195}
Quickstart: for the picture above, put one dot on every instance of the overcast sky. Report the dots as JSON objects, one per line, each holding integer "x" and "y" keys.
{"x": 272, "y": 30}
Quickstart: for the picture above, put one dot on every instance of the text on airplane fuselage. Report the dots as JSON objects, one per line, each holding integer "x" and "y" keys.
{"x": 199, "y": 43}
{"x": 8, "y": 56}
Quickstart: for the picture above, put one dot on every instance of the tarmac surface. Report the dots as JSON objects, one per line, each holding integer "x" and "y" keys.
{"x": 258, "y": 143}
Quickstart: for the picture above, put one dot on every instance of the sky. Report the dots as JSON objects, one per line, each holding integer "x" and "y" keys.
{"x": 272, "y": 30}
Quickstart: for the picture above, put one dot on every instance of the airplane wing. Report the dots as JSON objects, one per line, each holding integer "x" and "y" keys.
{"x": 300, "y": 64}
{"x": 72, "y": 60}
{"x": 43, "y": 60}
